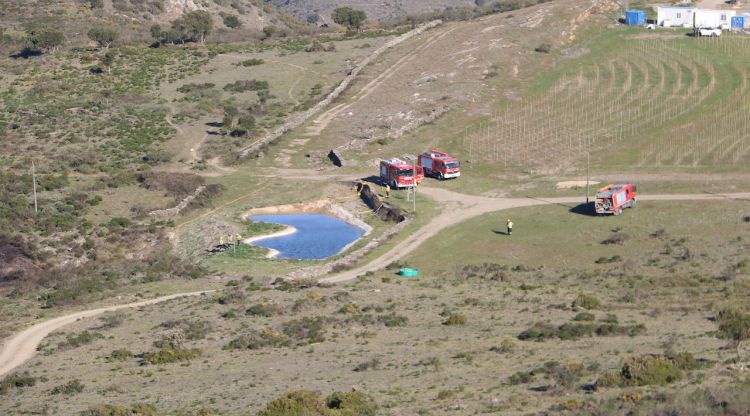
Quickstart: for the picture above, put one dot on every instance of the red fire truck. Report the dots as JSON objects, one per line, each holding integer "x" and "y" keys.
{"x": 399, "y": 174}
{"x": 612, "y": 198}
{"x": 439, "y": 164}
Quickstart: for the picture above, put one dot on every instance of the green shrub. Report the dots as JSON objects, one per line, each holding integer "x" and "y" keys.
{"x": 16, "y": 381}
{"x": 586, "y": 302}
{"x": 649, "y": 370}
{"x": 307, "y": 330}
{"x": 251, "y": 62}
{"x": 351, "y": 403}
{"x": 76, "y": 340}
{"x": 116, "y": 410}
{"x": 538, "y": 332}
{"x": 120, "y": 355}
{"x": 369, "y": 364}
{"x": 168, "y": 355}
{"x": 644, "y": 370}
{"x": 521, "y": 377}
{"x": 584, "y": 316}
{"x": 265, "y": 309}
{"x": 308, "y": 403}
{"x": 68, "y": 389}
{"x": 393, "y": 320}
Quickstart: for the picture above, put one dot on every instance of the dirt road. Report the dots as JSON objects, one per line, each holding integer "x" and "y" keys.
{"x": 19, "y": 348}
{"x": 459, "y": 207}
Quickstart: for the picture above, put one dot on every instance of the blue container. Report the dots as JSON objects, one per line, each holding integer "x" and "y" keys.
{"x": 738, "y": 22}
{"x": 635, "y": 17}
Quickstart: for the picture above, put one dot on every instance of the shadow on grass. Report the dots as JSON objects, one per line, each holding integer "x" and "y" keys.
{"x": 586, "y": 209}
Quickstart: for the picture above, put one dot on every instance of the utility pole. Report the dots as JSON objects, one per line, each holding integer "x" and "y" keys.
{"x": 414, "y": 177}
{"x": 33, "y": 177}
{"x": 588, "y": 166}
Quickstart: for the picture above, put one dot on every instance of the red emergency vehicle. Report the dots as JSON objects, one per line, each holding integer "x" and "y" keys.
{"x": 439, "y": 164}
{"x": 399, "y": 174}
{"x": 612, "y": 198}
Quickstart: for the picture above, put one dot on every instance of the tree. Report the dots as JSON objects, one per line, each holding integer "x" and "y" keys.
{"x": 197, "y": 24}
{"x": 246, "y": 122}
{"x": 734, "y": 325}
{"x": 230, "y": 118}
{"x": 232, "y": 21}
{"x": 107, "y": 60}
{"x": 156, "y": 32}
{"x": 346, "y": 16}
{"x": 103, "y": 36}
{"x": 44, "y": 39}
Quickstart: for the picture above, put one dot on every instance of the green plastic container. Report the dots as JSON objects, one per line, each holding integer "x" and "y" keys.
{"x": 408, "y": 272}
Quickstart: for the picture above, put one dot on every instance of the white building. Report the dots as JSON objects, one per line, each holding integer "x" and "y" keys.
{"x": 671, "y": 16}
{"x": 714, "y": 18}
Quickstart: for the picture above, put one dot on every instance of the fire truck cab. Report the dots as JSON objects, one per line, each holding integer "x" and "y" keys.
{"x": 399, "y": 174}
{"x": 440, "y": 165}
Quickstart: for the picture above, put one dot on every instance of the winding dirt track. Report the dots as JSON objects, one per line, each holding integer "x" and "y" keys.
{"x": 19, "y": 348}
{"x": 458, "y": 208}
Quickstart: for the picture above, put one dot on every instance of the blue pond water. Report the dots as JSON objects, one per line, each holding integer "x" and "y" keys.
{"x": 318, "y": 236}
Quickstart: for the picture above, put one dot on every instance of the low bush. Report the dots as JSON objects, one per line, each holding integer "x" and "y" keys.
{"x": 309, "y": 403}
{"x": 117, "y": 410}
{"x": 251, "y": 62}
{"x": 265, "y": 337}
{"x": 538, "y": 332}
{"x": 543, "y": 48}
{"x": 393, "y": 320}
{"x": 170, "y": 355}
{"x": 247, "y": 85}
{"x": 571, "y": 331}
{"x": 584, "y": 316}
{"x": 265, "y": 309}
{"x": 16, "y": 381}
{"x": 68, "y": 389}
{"x": 307, "y": 330}
{"x": 643, "y": 370}
{"x": 76, "y": 340}
{"x": 618, "y": 238}
{"x": 193, "y": 87}
{"x": 586, "y": 302}
{"x": 367, "y": 365}
{"x": 120, "y": 355}
{"x": 456, "y": 319}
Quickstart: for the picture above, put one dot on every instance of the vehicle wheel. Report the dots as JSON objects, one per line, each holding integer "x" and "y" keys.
{"x": 394, "y": 185}
{"x": 632, "y": 203}
{"x": 618, "y": 212}
{"x": 440, "y": 176}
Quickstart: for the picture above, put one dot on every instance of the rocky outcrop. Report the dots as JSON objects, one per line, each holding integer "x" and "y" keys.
{"x": 170, "y": 212}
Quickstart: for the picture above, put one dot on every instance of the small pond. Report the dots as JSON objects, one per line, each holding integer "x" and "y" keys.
{"x": 318, "y": 236}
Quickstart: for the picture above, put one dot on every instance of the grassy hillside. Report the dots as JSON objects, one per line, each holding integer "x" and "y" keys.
{"x": 234, "y": 20}
{"x": 542, "y": 322}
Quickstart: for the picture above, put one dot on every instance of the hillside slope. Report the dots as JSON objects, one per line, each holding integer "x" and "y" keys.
{"x": 133, "y": 18}
{"x": 381, "y": 10}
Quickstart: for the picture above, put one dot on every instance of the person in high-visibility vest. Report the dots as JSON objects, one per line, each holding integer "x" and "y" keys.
{"x": 239, "y": 239}
{"x": 509, "y": 224}
{"x": 387, "y": 191}
{"x": 221, "y": 240}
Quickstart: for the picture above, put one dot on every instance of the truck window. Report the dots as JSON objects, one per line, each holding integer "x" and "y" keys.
{"x": 405, "y": 172}
{"x": 452, "y": 165}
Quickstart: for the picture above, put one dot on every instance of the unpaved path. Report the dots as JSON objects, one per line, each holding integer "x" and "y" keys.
{"x": 19, "y": 348}
{"x": 459, "y": 207}
{"x": 322, "y": 121}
